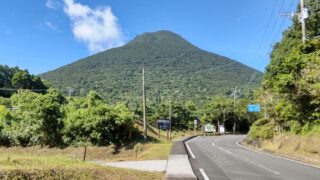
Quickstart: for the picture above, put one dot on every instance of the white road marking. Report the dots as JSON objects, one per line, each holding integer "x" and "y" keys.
{"x": 204, "y": 174}
{"x": 276, "y": 156}
{"x": 263, "y": 167}
{"x": 222, "y": 149}
{"x": 268, "y": 169}
{"x": 225, "y": 150}
{"x": 192, "y": 155}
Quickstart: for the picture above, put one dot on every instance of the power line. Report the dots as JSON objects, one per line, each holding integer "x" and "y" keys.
{"x": 264, "y": 41}
{"x": 264, "y": 44}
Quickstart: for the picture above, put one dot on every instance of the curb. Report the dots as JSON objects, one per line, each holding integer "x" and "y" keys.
{"x": 178, "y": 165}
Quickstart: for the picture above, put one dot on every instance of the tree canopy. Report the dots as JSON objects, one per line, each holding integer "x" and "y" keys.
{"x": 291, "y": 84}
{"x": 14, "y": 78}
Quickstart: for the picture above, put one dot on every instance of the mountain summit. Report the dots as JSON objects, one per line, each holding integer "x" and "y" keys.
{"x": 173, "y": 67}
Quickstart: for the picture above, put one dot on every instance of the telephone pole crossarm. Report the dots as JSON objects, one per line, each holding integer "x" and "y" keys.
{"x": 302, "y": 16}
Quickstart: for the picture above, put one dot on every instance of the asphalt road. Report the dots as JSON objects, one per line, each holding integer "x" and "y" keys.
{"x": 220, "y": 158}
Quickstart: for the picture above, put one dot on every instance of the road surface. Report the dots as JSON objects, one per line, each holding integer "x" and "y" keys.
{"x": 220, "y": 158}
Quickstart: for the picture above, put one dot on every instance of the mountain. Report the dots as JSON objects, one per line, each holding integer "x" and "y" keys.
{"x": 172, "y": 66}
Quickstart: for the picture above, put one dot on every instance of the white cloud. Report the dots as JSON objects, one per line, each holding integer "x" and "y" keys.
{"x": 50, "y": 25}
{"x": 53, "y": 4}
{"x": 97, "y": 28}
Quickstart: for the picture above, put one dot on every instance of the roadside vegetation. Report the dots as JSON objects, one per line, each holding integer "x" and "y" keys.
{"x": 44, "y": 134}
{"x": 298, "y": 147}
{"x": 20, "y": 164}
{"x": 291, "y": 84}
{"x": 289, "y": 125}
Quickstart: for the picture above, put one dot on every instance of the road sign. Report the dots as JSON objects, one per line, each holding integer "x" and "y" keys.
{"x": 221, "y": 129}
{"x": 164, "y": 124}
{"x": 209, "y": 128}
{"x": 254, "y": 108}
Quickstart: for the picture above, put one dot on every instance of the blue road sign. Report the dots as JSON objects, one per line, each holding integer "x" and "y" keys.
{"x": 254, "y": 108}
{"x": 164, "y": 124}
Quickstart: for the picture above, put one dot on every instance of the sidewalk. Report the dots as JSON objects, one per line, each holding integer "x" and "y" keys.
{"x": 150, "y": 165}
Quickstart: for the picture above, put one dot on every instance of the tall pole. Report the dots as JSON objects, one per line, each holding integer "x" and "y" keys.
{"x": 170, "y": 115}
{"x": 234, "y": 109}
{"x": 144, "y": 108}
{"x": 303, "y": 22}
{"x": 70, "y": 91}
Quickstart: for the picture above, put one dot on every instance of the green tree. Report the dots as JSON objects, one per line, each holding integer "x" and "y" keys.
{"x": 91, "y": 120}
{"x": 37, "y": 119}
{"x": 291, "y": 80}
{"x": 218, "y": 110}
{"x": 18, "y": 79}
{"x": 5, "y": 117}
{"x": 21, "y": 80}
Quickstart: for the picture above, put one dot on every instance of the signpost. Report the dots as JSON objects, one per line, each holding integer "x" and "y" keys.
{"x": 209, "y": 128}
{"x": 253, "y": 108}
{"x": 164, "y": 124}
{"x": 195, "y": 123}
{"x": 221, "y": 129}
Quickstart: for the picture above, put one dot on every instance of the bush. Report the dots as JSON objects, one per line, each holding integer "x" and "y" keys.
{"x": 311, "y": 128}
{"x": 295, "y": 127}
{"x": 261, "y": 129}
{"x": 260, "y": 122}
{"x": 4, "y": 117}
{"x": 93, "y": 121}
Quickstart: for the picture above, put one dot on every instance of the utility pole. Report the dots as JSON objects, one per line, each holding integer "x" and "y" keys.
{"x": 144, "y": 108}
{"x": 70, "y": 91}
{"x": 302, "y": 19}
{"x": 235, "y": 94}
{"x": 304, "y": 14}
{"x": 170, "y": 115}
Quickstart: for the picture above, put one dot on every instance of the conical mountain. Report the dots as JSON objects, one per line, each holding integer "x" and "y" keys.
{"x": 172, "y": 64}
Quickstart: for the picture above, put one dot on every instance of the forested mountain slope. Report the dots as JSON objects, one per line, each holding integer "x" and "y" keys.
{"x": 172, "y": 65}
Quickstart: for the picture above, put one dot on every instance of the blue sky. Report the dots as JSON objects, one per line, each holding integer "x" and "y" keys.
{"x": 41, "y": 35}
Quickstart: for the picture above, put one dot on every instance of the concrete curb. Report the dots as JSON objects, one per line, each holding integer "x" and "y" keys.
{"x": 178, "y": 165}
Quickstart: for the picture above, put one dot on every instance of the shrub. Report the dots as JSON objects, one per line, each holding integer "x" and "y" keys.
{"x": 4, "y": 117}
{"x": 311, "y": 128}
{"x": 295, "y": 127}
{"x": 261, "y": 129}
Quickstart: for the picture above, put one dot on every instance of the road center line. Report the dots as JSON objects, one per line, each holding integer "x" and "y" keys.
{"x": 225, "y": 150}
{"x": 192, "y": 155}
{"x": 204, "y": 174}
{"x": 222, "y": 149}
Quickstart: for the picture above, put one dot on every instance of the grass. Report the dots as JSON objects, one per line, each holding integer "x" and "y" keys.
{"x": 155, "y": 151}
{"x": 158, "y": 150}
{"x": 54, "y": 163}
{"x": 302, "y": 148}
{"x": 35, "y": 166}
